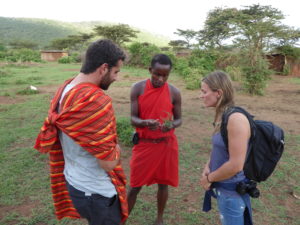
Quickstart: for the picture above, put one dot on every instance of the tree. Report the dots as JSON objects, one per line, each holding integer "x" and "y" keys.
{"x": 178, "y": 44}
{"x": 71, "y": 42}
{"x": 188, "y": 35}
{"x": 218, "y": 27}
{"x": 254, "y": 29}
{"x": 120, "y": 33}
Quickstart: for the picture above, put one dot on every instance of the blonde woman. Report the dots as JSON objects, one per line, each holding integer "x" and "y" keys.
{"x": 224, "y": 169}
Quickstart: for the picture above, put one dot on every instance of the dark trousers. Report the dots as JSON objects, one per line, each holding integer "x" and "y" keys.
{"x": 97, "y": 209}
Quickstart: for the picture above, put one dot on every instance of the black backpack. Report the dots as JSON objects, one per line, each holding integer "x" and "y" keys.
{"x": 265, "y": 149}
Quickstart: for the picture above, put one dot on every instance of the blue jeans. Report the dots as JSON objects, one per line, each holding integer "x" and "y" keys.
{"x": 232, "y": 208}
{"x": 97, "y": 209}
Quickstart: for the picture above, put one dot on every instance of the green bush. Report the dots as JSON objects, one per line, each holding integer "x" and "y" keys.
{"x": 66, "y": 60}
{"x": 124, "y": 130}
{"x": 193, "y": 79}
{"x": 21, "y": 55}
{"x": 234, "y": 72}
{"x": 142, "y": 53}
{"x": 256, "y": 76}
{"x": 182, "y": 67}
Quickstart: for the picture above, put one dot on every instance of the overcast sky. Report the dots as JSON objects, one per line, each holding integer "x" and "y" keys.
{"x": 158, "y": 16}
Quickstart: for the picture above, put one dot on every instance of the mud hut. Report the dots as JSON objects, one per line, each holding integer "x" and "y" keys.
{"x": 284, "y": 64}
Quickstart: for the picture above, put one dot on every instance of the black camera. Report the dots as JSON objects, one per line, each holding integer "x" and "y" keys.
{"x": 248, "y": 187}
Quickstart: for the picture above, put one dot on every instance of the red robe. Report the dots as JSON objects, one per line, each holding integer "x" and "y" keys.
{"x": 88, "y": 118}
{"x": 155, "y": 163}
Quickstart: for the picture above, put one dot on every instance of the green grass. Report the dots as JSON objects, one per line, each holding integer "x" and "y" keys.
{"x": 25, "y": 195}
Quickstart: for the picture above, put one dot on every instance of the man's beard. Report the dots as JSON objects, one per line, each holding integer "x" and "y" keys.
{"x": 106, "y": 81}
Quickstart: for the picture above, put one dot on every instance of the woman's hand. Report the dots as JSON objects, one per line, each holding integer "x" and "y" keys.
{"x": 206, "y": 170}
{"x": 205, "y": 183}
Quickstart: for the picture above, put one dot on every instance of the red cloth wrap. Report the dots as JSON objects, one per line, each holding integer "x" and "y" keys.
{"x": 86, "y": 116}
{"x": 155, "y": 162}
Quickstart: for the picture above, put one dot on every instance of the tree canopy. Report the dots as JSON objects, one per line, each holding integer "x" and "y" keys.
{"x": 257, "y": 27}
{"x": 120, "y": 33}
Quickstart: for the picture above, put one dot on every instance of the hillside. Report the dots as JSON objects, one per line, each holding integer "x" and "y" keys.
{"x": 43, "y": 31}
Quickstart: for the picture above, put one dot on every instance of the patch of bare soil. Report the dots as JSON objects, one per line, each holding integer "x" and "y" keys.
{"x": 11, "y": 100}
{"x": 24, "y": 209}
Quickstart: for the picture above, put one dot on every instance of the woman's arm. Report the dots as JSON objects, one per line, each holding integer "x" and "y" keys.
{"x": 238, "y": 137}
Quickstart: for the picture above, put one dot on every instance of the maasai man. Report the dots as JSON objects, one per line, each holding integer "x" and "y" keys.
{"x": 87, "y": 179}
{"x": 155, "y": 112}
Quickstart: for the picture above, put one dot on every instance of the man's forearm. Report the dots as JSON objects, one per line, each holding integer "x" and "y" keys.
{"x": 137, "y": 122}
{"x": 176, "y": 123}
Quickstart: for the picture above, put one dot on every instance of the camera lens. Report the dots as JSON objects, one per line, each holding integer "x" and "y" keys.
{"x": 254, "y": 193}
{"x": 241, "y": 188}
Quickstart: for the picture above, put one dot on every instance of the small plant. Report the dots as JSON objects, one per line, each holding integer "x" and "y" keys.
{"x": 27, "y": 91}
{"x": 167, "y": 121}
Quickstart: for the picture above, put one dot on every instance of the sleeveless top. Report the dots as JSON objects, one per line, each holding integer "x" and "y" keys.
{"x": 220, "y": 155}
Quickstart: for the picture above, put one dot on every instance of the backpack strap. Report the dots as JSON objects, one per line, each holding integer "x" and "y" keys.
{"x": 225, "y": 118}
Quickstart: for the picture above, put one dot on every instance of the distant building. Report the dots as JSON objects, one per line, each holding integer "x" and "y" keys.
{"x": 184, "y": 53}
{"x": 53, "y": 55}
{"x": 284, "y": 64}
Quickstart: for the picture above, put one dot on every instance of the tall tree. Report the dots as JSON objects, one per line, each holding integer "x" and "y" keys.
{"x": 188, "y": 36}
{"x": 254, "y": 29}
{"x": 120, "y": 33}
{"x": 255, "y": 26}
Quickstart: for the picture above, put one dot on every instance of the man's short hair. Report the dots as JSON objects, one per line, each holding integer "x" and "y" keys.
{"x": 100, "y": 52}
{"x": 161, "y": 59}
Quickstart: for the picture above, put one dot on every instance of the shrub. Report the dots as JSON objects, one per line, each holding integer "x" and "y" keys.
{"x": 193, "y": 79}
{"x": 124, "y": 130}
{"x": 256, "y": 76}
{"x": 234, "y": 72}
{"x": 142, "y": 53}
{"x": 22, "y": 55}
{"x": 66, "y": 60}
{"x": 181, "y": 66}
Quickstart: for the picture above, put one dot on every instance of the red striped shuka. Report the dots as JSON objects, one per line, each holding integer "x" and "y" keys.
{"x": 87, "y": 116}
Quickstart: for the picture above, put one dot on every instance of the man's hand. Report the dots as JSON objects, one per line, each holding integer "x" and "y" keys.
{"x": 167, "y": 127}
{"x": 152, "y": 124}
